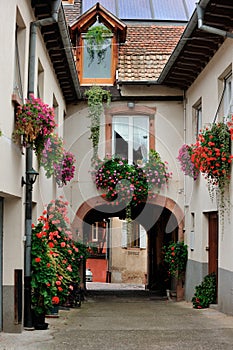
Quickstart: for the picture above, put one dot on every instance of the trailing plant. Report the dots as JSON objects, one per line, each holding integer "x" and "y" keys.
{"x": 52, "y": 154}
{"x": 56, "y": 161}
{"x": 64, "y": 171}
{"x": 96, "y": 97}
{"x": 123, "y": 182}
{"x": 212, "y": 156}
{"x": 129, "y": 184}
{"x": 187, "y": 166}
{"x": 176, "y": 256}
{"x": 205, "y": 293}
{"x": 34, "y": 122}
{"x": 156, "y": 171}
{"x": 96, "y": 39}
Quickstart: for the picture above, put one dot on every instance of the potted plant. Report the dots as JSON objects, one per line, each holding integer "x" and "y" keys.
{"x": 185, "y": 160}
{"x": 129, "y": 184}
{"x": 156, "y": 172}
{"x": 56, "y": 258}
{"x": 96, "y": 39}
{"x": 205, "y": 293}
{"x": 52, "y": 154}
{"x": 212, "y": 156}
{"x": 65, "y": 170}
{"x": 34, "y": 122}
{"x": 56, "y": 161}
{"x": 175, "y": 257}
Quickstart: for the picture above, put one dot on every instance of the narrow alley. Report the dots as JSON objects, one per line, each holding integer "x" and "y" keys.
{"x": 129, "y": 319}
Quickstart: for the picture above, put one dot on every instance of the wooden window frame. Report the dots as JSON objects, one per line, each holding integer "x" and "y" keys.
{"x": 99, "y": 81}
{"x": 125, "y": 110}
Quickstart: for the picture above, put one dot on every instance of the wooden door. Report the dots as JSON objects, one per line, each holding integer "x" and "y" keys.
{"x": 213, "y": 243}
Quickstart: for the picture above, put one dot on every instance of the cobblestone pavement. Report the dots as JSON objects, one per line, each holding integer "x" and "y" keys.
{"x": 127, "y": 322}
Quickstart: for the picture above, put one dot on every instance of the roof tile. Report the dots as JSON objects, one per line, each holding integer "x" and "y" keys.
{"x": 146, "y": 51}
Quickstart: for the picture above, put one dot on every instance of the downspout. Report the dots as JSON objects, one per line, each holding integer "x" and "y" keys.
{"x": 200, "y": 16}
{"x": 28, "y": 321}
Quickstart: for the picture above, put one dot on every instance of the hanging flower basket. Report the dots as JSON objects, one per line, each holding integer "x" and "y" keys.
{"x": 56, "y": 161}
{"x": 156, "y": 172}
{"x": 34, "y": 122}
{"x": 187, "y": 166}
{"x": 129, "y": 184}
{"x": 212, "y": 156}
{"x": 52, "y": 154}
{"x": 64, "y": 171}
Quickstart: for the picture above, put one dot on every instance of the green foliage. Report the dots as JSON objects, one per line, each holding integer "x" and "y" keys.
{"x": 96, "y": 97}
{"x": 56, "y": 258}
{"x": 96, "y": 38}
{"x": 205, "y": 293}
{"x": 176, "y": 256}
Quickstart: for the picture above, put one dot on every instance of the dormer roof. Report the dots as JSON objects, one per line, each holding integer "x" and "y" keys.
{"x": 100, "y": 13}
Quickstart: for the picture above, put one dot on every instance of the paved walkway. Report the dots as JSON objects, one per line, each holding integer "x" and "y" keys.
{"x": 117, "y": 322}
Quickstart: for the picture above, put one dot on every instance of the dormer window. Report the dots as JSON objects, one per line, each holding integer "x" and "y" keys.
{"x": 96, "y": 36}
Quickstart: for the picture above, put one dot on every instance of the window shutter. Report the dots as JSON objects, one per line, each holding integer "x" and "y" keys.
{"x": 124, "y": 234}
{"x": 142, "y": 237}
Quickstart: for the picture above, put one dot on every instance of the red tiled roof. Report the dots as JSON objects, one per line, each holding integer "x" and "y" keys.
{"x": 146, "y": 51}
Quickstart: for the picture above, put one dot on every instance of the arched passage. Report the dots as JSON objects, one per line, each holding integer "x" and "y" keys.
{"x": 161, "y": 217}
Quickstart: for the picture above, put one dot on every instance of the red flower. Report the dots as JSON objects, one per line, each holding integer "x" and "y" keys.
{"x": 37, "y": 260}
{"x": 55, "y": 300}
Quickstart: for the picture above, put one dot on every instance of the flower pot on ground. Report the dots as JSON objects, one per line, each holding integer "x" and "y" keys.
{"x": 175, "y": 257}
{"x": 56, "y": 258}
{"x": 39, "y": 321}
{"x": 53, "y": 312}
{"x": 205, "y": 293}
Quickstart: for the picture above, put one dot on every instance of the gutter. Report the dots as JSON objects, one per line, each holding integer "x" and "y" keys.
{"x": 195, "y": 21}
{"x": 200, "y": 15}
{"x": 192, "y": 24}
{"x": 69, "y": 54}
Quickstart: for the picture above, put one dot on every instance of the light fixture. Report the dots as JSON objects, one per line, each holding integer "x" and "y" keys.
{"x": 130, "y": 104}
{"x": 31, "y": 176}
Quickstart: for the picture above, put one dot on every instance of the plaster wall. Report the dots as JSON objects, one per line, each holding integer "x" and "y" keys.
{"x": 168, "y": 119}
{"x": 12, "y": 156}
{"x": 128, "y": 265}
{"x": 208, "y": 87}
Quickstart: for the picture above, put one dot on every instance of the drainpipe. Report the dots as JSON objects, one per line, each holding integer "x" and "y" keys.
{"x": 28, "y": 321}
{"x": 200, "y": 16}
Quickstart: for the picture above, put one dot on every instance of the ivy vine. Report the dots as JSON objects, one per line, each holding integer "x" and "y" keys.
{"x": 96, "y": 96}
{"x": 97, "y": 40}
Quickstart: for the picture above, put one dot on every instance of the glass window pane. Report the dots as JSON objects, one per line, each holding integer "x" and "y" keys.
{"x": 120, "y": 136}
{"x": 140, "y": 138}
{"x": 99, "y": 64}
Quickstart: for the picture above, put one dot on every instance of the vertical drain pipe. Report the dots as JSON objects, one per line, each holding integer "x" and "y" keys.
{"x": 28, "y": 321}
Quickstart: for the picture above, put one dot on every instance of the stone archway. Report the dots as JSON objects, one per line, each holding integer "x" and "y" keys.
{"x": 157, "y": 215}
{"x": 159, "y": 200}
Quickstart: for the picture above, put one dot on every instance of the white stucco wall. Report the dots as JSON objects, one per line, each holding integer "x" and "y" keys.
{"x": 208, "y": 87}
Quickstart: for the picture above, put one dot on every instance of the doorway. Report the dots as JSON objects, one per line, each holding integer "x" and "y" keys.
{"x": 213, "y": 244}
{"x": 1, "y": 259}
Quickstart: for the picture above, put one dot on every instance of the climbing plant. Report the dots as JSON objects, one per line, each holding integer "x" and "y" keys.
{"x": 97, "y": 40}
{"x": 96, "y": 96}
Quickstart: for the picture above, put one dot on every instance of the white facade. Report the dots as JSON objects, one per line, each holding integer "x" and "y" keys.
{"x": 12, "y": 194}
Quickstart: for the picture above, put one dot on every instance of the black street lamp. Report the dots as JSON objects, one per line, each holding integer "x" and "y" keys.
{"x": 31, "y": 176}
